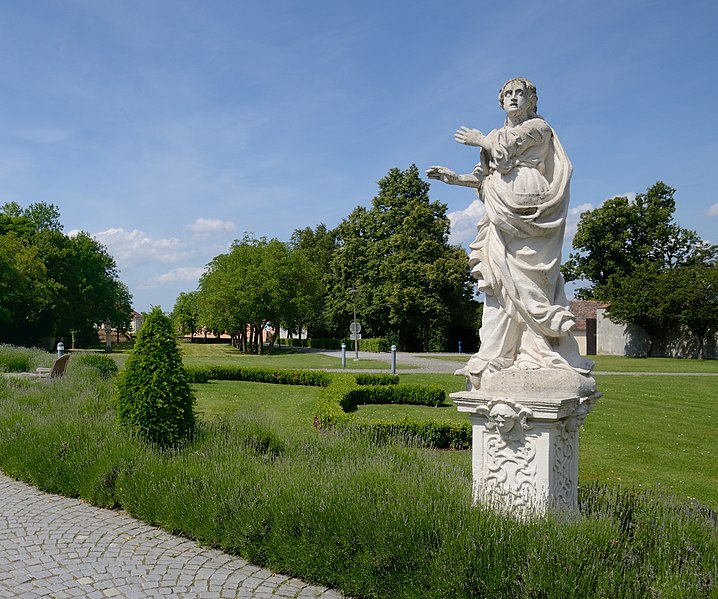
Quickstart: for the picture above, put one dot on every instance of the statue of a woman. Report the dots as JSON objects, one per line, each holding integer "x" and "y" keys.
{"x": 523, "y": 180}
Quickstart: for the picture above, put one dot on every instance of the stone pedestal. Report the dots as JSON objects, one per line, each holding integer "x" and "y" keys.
{"x": 525, "y": 438}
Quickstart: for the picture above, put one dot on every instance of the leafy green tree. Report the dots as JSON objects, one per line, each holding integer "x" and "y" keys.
{"x": 86, "y": 289}
{"x": 185, "y": 315}
{"x": 155, "y": 398}
{"x": 121, "y": 312}
{"x": 643, "y": 298}
{"x": 77, "y": 287}
{"x": 313, "y": 249}
{"x": 410, "y": 281}
{"x": 24, "y": 291}
{"x": 258, "y": 284}
{"x": 621, "y": 236}
{"x": 695, "y": 289}
{"x": 646, "y": 267}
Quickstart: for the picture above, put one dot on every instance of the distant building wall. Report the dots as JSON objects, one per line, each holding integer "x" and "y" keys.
{"x": 630, "y": 340}
{"x": 617, "y": 339}
{"x": 585, "y": 311}
{"x": 580, "y": 337}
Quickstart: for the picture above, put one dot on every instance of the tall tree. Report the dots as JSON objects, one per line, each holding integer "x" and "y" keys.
{"x": 637, "y": 259}
{"x": 620, "y": 236}
{"x": 24, "y": 291}
{"x": 76, "y": 288}
{"x": 258, "y": 284}
{"x": 410, "y": 281}
{"x": 314, "y": 249}
{"x": 185, "y": 315}
{"x": 695, "y": 289}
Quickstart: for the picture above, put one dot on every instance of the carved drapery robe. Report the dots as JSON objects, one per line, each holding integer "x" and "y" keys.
{"x": 516, "y": 256}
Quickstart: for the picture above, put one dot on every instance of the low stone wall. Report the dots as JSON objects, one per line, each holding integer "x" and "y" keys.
{"x": 630, "y": 340}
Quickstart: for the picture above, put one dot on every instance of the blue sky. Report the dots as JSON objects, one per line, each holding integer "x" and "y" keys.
{"x": 169, "y": 128}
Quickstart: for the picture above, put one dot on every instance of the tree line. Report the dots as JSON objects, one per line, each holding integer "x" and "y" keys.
{"x": 414, "y": 289}
{"x": 651, "y": 272}
{"x": 53, "y": 285}
{"x": 410, "y": 285}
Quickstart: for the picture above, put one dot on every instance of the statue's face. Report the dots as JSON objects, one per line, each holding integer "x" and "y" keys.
{"x": 516, "y": 100}
{"x": 504, "y": 418}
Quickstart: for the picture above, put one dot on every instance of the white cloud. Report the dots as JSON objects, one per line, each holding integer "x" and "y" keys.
{"x": 134, "y": 246}
{"x": 203, "y": 226}
{"x": 184, "y": 274}
{"x": 713, "y": 210}
{"x": 463, "y": 223}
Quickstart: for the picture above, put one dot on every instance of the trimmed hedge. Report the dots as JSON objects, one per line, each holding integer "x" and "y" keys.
{"x": 310, "y": 378}
{"x": 418, "y": 395}
{"x": 377, "y": 379}
{"x": 317, "y": 343}
{"x": 154, "y": 397}
{"x": 342, "y": 392}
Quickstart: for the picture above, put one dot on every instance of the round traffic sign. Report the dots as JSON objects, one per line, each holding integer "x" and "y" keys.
{"x": 355, "y": 328}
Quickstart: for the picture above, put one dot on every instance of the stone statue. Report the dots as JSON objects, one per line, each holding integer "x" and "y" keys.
{"x": 523, "y": 180}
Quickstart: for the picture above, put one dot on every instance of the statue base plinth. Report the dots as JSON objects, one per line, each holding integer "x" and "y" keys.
{"x": 525, "y": 438}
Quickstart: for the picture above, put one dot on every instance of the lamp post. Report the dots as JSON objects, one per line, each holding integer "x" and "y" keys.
{"x": 355, "y": 328}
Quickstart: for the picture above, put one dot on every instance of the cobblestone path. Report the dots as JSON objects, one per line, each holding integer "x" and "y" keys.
{"x": 54, "y": 547}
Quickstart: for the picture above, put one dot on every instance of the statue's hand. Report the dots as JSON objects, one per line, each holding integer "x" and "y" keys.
{"x": 469, "y": 137}
{"x": 442, "y": 174}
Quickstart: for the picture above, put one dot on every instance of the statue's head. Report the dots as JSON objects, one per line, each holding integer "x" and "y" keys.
{"x": 529, "y": 92}
{"x": 504, "y": 418}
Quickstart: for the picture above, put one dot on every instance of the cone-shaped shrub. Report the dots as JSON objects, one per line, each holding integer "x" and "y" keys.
{"x": 155, "y": 398}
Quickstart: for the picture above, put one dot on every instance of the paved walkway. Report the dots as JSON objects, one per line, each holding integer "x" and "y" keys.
{"x": 434, "y": 364}
{"x": 54, "y": 547}
{"x": 419, "y": 364}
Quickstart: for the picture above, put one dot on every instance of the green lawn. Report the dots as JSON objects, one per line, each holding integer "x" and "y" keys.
{"x": 200, "y": 354}
{"x": 630, "y": 364}
{"x": 654, "y": 431}
{"x": 289, "y": 407}
{"x": 625, "y": 364}
{"x": 645, "y": 430}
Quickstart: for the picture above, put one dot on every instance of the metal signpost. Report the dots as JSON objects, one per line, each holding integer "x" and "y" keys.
{"x": 355, "y": 334}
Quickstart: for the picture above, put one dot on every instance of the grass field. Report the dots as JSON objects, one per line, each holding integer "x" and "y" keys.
{"x": 200, "y": 354}
{"x": 386, "y": 519}
{"x": 626, "y": 364}
{"x": 648, "y": 431}
{"x": 674, "y": 365}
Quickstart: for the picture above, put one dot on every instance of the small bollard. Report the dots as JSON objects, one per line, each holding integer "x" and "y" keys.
{"x": 344, "y": 355}
{"x": 459, "y": 346}
{"x": 393, "y": 359}
{"x": 60, "y": 349}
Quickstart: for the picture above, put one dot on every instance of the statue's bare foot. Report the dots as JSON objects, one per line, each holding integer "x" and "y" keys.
{"x": 526, "y": 365}
{"x": 473, "y": 379}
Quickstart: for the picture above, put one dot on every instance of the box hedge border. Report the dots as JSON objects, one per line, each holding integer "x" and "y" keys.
{"x": 337, "y": 400}
{"x": 343, "y": 392}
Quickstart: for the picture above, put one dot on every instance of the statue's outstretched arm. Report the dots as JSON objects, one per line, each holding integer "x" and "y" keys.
{"x": 446, "y": 175}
